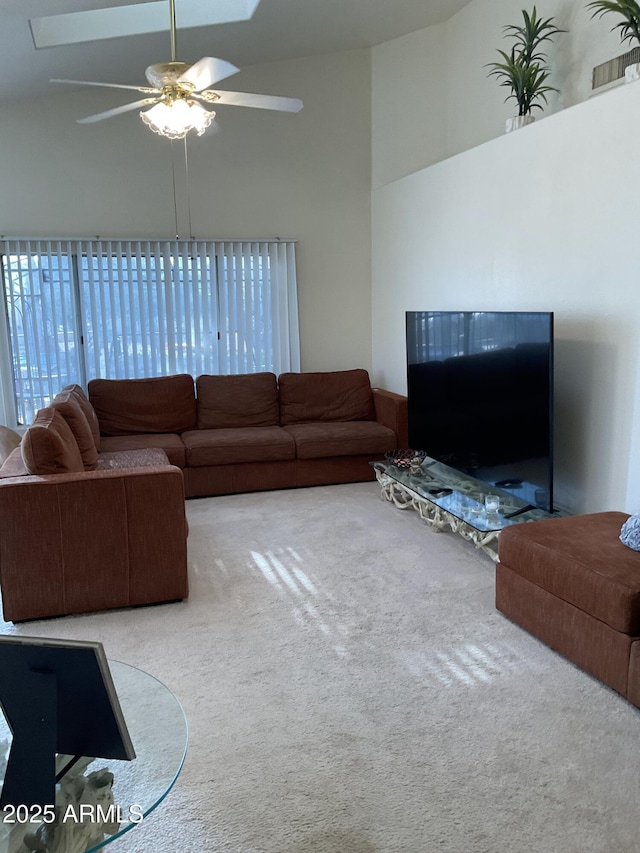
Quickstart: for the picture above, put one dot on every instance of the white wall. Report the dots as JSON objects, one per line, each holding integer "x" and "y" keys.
{"x": 433, "y": 83}
{"x": 409, "y": 86}
{"x": 540, "y": 219}
{"x": 304, "y": 176}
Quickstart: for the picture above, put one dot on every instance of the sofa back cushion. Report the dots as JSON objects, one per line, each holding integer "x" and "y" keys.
{"x": 48, "y": 445}
{"x": 131, "y": 406}
{"x": 87, "y": 408}
{"x": 341, "y": 395}
{"x": 243, "y": 400}
{"x": 66, "y": 403}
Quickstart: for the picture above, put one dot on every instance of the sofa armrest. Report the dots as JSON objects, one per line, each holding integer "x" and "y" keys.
{"x": 94, "y": 540}
{"x": 391, "y": 411}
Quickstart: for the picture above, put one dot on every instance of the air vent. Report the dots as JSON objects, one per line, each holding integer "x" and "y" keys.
{"x": 613, "y": 70}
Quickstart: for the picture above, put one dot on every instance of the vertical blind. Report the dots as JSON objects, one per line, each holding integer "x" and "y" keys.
{"x": 79, "y": 309}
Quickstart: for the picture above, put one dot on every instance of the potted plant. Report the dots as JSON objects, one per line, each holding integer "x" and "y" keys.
{"x": 629, "y": 26}
{"x": 524, "y": 70}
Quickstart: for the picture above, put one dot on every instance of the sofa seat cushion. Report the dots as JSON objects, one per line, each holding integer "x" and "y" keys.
{"x": 68, "y": 405}
{"x": 159, "y": 404}
{"x": 172, "y": 445}
{"x": 149, "y": 457}
{"x": 339, "y": 395}
{"x": 350, "y": 438}
{"x": 239, "y": 400}
{"x": 580, "y": 560}
{"x": 243, "y": 444}
{"x": 49, "y": 447}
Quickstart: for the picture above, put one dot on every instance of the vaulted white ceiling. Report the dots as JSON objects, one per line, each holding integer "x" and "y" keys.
{"x": 278, "y": 29}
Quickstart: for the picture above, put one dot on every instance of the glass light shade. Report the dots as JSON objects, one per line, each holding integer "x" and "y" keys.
{"x": 177, "y": 118}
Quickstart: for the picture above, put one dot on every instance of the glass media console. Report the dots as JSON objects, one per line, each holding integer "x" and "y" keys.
{"x": 446, "y": 498}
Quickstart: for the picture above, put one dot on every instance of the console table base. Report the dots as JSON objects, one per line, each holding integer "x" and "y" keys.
{"x": 437, "y": 518}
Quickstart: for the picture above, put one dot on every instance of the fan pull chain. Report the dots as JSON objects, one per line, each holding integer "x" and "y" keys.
{"x": 186, "y": 172}
{"x": 175, "y": 199}
{"x": 175, "y": 188}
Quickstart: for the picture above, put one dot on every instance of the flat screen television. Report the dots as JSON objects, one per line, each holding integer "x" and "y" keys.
{"x": 480, "y": 396}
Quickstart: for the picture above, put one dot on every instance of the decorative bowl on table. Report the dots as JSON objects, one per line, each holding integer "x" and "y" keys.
{"x": 410, "y": 459}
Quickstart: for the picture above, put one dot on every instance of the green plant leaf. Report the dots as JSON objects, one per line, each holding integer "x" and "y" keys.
{"x": 523, "y": 70}
{"x": 629, "y": 10}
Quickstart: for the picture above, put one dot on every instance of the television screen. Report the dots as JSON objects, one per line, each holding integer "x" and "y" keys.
{"x": 480, "y": 396}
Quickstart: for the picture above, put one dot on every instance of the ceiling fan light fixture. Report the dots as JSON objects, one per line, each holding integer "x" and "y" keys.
{"x": 175, "y": 119}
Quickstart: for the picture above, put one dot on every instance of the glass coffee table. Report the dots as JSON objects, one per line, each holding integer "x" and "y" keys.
{"x": 448, "y": 499}
{"x": 158, "y": 729}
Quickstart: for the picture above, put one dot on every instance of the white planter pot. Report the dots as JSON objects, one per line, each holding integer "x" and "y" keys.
{"x": 517, "y": 122}
{"x": 632, "y": 72}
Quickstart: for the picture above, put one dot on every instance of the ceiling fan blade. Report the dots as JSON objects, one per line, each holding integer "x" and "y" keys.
{"x": 207, "y": 71}
{"x": 144, "y": 89}
{"x": 263, "y": 102}
{"x": 135, "y": 105}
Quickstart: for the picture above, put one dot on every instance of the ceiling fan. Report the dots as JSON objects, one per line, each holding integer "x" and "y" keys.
{"x": 179, "y": 94}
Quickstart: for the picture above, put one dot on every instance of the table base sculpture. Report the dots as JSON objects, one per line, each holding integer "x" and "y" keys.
{"x": 84, "y": 809}
{"x": 435, "y": 516}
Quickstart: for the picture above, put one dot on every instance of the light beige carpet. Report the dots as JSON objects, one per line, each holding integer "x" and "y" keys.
{"x": 350, "y": 688}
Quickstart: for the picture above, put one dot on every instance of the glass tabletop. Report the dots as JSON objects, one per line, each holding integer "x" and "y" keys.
{"x": 461, "y": 495}
{"x": 158, "y": 729}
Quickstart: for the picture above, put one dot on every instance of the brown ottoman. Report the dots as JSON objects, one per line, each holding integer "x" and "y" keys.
{"x": 574, "y": 585}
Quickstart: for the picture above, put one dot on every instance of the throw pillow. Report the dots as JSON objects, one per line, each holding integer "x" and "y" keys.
{"x": 48, "y": 446}
{"x": 630, "y": 532}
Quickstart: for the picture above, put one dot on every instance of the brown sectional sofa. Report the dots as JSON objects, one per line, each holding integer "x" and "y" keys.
{"x": 92, "y": 501}
{"x": 257, "y": 431}
{"x": 84, "y": 530}
{"x": 573, "y": 584}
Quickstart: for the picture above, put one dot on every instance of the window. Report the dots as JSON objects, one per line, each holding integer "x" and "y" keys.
{"x": 76, "y": 310}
